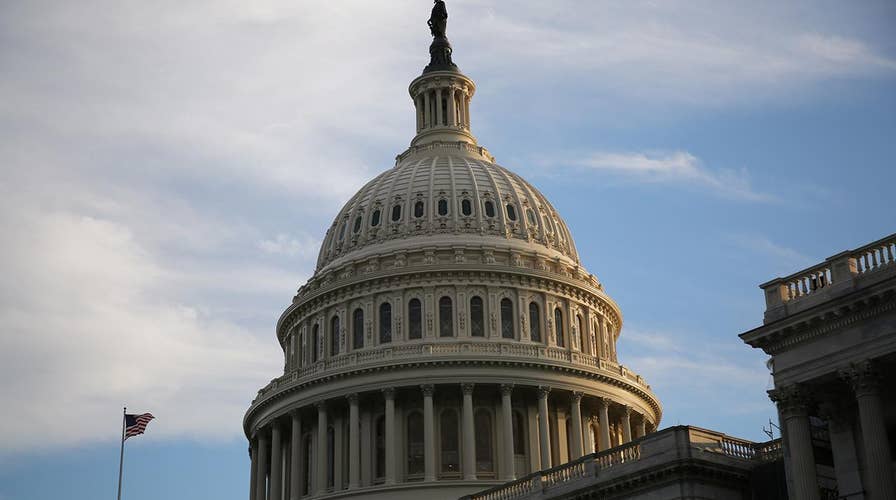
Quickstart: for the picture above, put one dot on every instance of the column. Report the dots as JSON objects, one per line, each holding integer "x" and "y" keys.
{"x": 467, "y": 110}
{"x": 427, "y": 110}
{"x": 469, "y": 431}
{"x": 642, "y": 427}
{"x": 338, "y": 471}
{"x": 439, "y": 116}
{"x": 452, "y": 105}
{"x": 507, "y": 416}
{"x": 865, "y": 383}
{"x": 429, "y": 427}
{"x": 295, "y": 473}
{"x": 792, "y": 405}
{"x": 603, "y": 406}
{"x": 253, "y": 467}
{"x": 389, "y": 395}
{"x": 588, "y": 434}
{"x": 626, "y": 424}
{"x": 276, "y": 464}
{"x": 419, "y": 105}
{"x": 261, "y": 484}
{"x": 354, "y": 442}
{"x": 460, "y": 107}
{"x": 544, "y": 438}
{"x": 322, "y": 459}
{"x": 576, "y": 427}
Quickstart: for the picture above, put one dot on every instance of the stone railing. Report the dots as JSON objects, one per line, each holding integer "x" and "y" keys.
{"x": 667, "y": 445}
{"x": 471, "y": 350}
{"x": 835, "y": 273}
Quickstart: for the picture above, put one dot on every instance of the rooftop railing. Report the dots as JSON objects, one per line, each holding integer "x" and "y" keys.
{"x": 833, "y": 274}
{"x": 675, "y": 442}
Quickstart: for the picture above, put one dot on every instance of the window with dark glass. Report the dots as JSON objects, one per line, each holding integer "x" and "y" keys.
{"x": 358, "y": 221}
{"x": 418, "y": 209}
{"x": 558, "y": 324}
{"x": 415, "y": 443}
{"x": 443, "y": 207}
{"x": 415, "y": 319}
{"x": 581, "y": 329}
{"x": 466, "y": 207}
{"x": 315, "y": 341}
{"x": 477, "y": 317}
{"x": 489, "y": 209}
{"x": 446, "y": 322}
{"x": 358, "y": 329}
{"x": 375, "y": 218}
{"x": 534, "y": 322}
{"x": 485, "y": 461}
{"x": 519, "y": 434}
{"x": 396, "y": 213}
{"x": 385, "y": 323}
{"x": 511, "y": 212}
{"x": 507, "y": 319}
{"x": 531, "y": 215}
{"x": 448, "y": 442}
{"x": 334, "y": 336}
{"x": 379, "y": 445}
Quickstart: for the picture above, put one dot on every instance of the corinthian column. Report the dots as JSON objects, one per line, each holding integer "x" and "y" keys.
{"x": 389, "y": 394}
{"x": 261, "y": 483}
{"x": 295, "y": 473}
{"x": 792, "y": 404}
{"x": 469, "y": 433}
{"x": 253, "y": 470}
{"x": 354, "y": 442}
{"x": 865, "y": 383}
{"x": 507, "y": 425}
{"x": 627, "y": 424}
{"x": 276, "y": 461}
{"x": 544, "y": 437}
{"x": 603, "y": 407}
{"x": 322, "y": 459}
{"x": 576, "y": 428}
{"x": 429, "y": 444}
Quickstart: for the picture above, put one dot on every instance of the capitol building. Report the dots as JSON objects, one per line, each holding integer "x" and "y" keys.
{"x": 450, "y": 338}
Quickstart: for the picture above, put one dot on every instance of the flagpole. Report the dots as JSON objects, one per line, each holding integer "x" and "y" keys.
{"x": 121, "y": 457}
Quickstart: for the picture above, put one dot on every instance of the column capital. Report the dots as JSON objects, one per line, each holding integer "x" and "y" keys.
{"x": 577, "y": 397}
{"x": 321, "y": 405}
{"x": 506, "y": 389}
{"x": 862, "y": 377}
{"x": 543, "y": 391}
{"x": 352, "y": 397}
{"x": 275, "y": 424}
{"x": 627, "y": 410}
{"x": 389, "y": 393}
{"x": 467, "y": 388}
{"x": 792, "y": 400}
{"x": 604, "y": 403}
{"x": 428, "y": 390}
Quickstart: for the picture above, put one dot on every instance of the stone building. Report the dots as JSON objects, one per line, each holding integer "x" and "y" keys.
{"x": 449, "y": 340}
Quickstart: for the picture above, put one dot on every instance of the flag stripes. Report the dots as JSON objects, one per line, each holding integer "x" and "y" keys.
{"x": 136, "y": 424}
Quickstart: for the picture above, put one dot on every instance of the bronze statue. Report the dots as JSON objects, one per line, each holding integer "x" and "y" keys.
{"x": 438, "y": 20}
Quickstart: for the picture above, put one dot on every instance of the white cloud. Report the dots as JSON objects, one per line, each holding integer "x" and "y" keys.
{"x": 285, "y": 244}
{"x": 676, "y": 167}
{"x": 785, "y": 256}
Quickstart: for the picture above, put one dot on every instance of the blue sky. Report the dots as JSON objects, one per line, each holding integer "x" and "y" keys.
{"x": 170, "y": 167}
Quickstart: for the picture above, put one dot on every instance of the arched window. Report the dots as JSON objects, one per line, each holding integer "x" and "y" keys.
{"x": 358, "y": 329}
{"x": 357, "y": 227}
{"x": 507, "y": 330}
{"x": 385, "y": 323}
{"x": 379, "y": 444}
{"x": 396, "y": 213}
{"x": 477, "y": 317}
{"x": 594, "y": 338}
{"x": 418, "y": 209}
{"x": 315, "y": 342}
{"x": 580, "y": 326}
{"x": 415, "y": 319}
{"x": 342, "y": 231}
{"x": 466, "y": 207}
{"x": 448, "y": 442}
{"x": 446, "y": 322}
{"x": 443, "y": 207}
{"x": 558, "y": 324}
{"x": 485, "y": 456}
{"x": 334, "y": 336}
{"x": 519, "y": 434}
{"x": 300, "y": 349}
{"x": 511, "y": 212}
{"x": 331, "y": 453}
{"x": 534, "y": 322}
{"x": 375, "y": 218}
{"x": 530, "y": 214}
{"x": 415, "y": 444}
{"x": 489, "y": 209}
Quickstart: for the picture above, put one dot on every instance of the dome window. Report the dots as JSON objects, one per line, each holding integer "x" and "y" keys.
{"x": 477, "y": 318}
{"x": 489, "y": 209}
{"x": 415, "y": 440}
{"x": 443, "y": 207}
{"x": 357, "y": 227}
{"x": 511, "y": 212}
{"x": 375, "y": 218}
{"x": 449, "y": 431}
{"x": 485, "y": 452}
{"x": 396, "y": 213}
{"x": 534, "y": 322}
{"x": 315, "y": 341}
{"x": 507, "y": 330}
{"x": 418, "y": 209}
{"x": 466, "y": 207}
{"x": 334, "y": 336}
{"x": 358, "y": 329}
{"x": 530, "y": 214}
{"x": 558, "y": 323}
{"x": 342, "y": 232}
{"x": 446, "y": 320}
{"x": 415, "y": 319}
{"x": 385, "y": 323}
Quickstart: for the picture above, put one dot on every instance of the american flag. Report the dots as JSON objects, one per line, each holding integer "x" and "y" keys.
{"x": 134, "y": 425}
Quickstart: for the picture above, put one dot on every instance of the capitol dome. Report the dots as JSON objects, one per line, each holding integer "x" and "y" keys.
{"x": 449, "y": 339}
